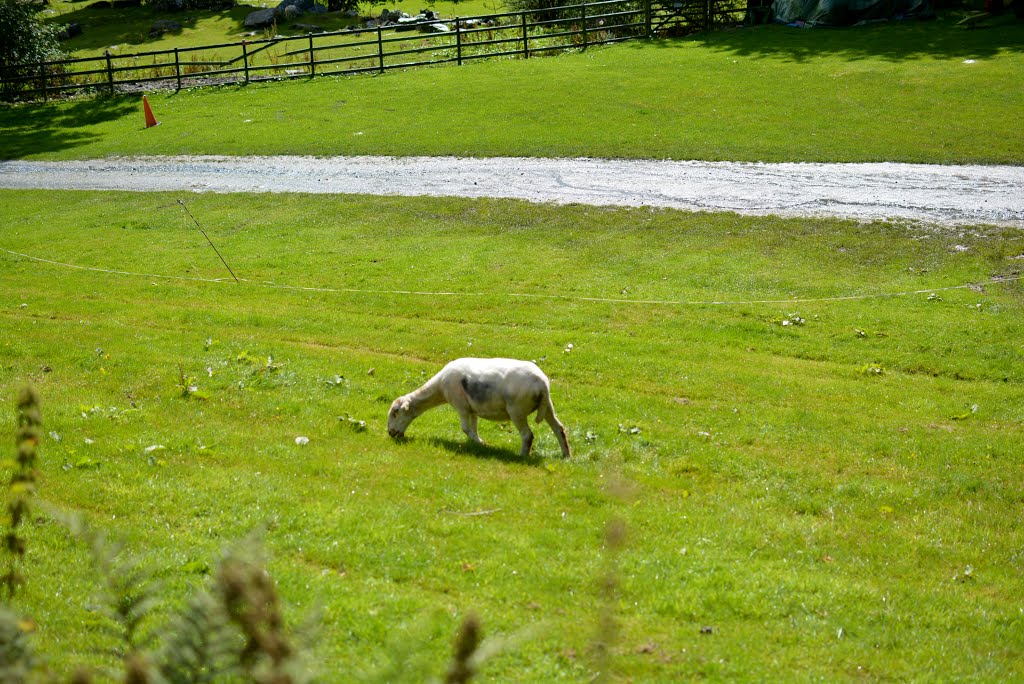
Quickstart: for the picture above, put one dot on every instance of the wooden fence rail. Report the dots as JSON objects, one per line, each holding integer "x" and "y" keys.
{"x": 366, "y": 50}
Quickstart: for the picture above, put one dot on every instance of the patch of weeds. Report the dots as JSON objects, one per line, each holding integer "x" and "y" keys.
{"x": 353, "y": 423}
{"x": 259, "y": 373}
{"x": 188, "y": 387}
{"x": 966, "y": 414}
{"x": 83, "y": 463}
{"x": 113, "y": 413}
{"x": 152, "y": 454}
{"x": 964, "y": 576}
{"x": 793, "y": 319}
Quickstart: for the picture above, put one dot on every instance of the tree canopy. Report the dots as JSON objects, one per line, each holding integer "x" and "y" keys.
{"x": 24, "y": 39}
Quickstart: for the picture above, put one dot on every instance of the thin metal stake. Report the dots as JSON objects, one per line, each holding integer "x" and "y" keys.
{"x": 209, "y": 240}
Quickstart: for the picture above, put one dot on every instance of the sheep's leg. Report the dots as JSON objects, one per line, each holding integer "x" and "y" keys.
{"x": 523, "y": 425}
{"x": 559, "y": 431}
{"x": 468, "y": 421}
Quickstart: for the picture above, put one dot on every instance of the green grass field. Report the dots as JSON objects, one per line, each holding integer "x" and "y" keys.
{"x": 818, "y": 480}
{"x": 126, "y": 30}
{"x": 834, "y": 499}
{"x": 927, "y": 92}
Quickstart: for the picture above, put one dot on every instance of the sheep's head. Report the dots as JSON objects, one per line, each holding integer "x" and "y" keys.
{"x": 399, "y": 417}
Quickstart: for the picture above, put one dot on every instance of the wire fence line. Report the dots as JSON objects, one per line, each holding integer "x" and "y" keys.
{"x": 930, "y": 292}
{"x": 372, "y": 50}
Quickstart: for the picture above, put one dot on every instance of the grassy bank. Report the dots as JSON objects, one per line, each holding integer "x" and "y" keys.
{"x": 815, "y": 489}
{"x": 914, "y": 91}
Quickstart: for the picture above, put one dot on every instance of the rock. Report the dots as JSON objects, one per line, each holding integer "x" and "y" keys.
{"x": 292, "y": 12}
{"x": 409, "y": 24}
{"x": 308, "y": 28}
{"x": 161, "y": 26}
{"x": 392, "y": 16}
{"x": 69, "y": 31}
{"x": 438, "y": 28}
{"x": 260, "y": 18}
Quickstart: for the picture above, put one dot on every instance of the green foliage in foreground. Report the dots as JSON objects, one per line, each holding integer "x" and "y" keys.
{"x": 24, "y": 39}
{"x": 916, "y": 92}
{"x": 833, "y": 497}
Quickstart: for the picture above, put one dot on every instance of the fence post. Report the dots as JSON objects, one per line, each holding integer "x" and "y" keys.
{"x": 312, "y": 58}
{"x": 583, "y": 18}
{"x": 526, "y": 46}
{"x": 177, "y": 68}
{"x": 110, "y": 72}
{"x": 647, "y": 20}
{"x": 458, "y": 42}
{"x": 42, "y": 80}
{"x": 380, "y": 47}
{"x": 245, "y": 59}
{"x": 707, "y": 15}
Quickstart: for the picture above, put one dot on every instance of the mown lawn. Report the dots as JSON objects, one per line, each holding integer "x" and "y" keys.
{"x": 833, "y": 498}
{"x": 927, "y": 92}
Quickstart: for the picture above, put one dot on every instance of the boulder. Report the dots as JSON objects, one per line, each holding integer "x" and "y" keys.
{"x": 69, "y": 31}
{"x": 308, "y": 28}
{"x": 292, "y": 12}
{"x": 260, "y": 18}
{"x": 408, "y": 23}
{"x": 391, "y": 16}
{"x": 162, "y": 26}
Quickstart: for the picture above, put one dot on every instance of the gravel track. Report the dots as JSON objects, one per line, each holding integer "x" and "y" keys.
{"x": 932, "y": 194}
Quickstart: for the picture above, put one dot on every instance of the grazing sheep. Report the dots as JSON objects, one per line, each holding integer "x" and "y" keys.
{"x": 495, "y": 389}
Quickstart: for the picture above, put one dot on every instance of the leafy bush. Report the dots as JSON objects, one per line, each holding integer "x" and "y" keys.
{"x": 24, "y": 39}
{"x": 542, "y": 10}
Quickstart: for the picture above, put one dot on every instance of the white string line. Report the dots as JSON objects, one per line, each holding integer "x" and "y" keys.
{"x": 520, "y": 295}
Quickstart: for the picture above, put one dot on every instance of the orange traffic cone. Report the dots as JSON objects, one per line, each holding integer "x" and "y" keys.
{"x": 150, "y": 119}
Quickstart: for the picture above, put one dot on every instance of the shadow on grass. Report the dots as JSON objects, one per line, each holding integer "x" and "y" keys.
{"x": 129, "y": 27}
{"x": 909, "y": 39}
{"x": 470, "y": 448}
{"x": 125, "y": 27}
{"x": 38, "y": 128}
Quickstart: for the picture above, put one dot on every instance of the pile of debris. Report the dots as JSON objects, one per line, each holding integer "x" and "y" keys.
{"x": 427, "y": 21}
{"x": 288, "y": 10}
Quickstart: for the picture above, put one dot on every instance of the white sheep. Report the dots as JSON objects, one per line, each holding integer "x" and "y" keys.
{"x": 495, "y": 389}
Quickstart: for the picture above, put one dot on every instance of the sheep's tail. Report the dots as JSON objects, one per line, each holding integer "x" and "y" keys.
{"x": 545, "y": 409}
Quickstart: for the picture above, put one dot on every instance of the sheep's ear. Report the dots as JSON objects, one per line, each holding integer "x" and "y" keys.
{"x": 406, "y": 406}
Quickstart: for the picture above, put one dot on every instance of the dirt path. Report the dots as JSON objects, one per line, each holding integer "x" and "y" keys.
{"x": 941, "y": 195}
